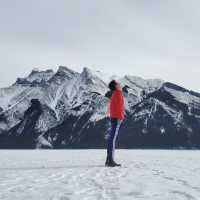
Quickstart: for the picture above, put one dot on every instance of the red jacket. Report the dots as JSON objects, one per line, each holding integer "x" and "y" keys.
{"x": 117, "y": 108}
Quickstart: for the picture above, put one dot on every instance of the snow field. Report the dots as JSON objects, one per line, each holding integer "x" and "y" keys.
{"x": 81, "y": 175}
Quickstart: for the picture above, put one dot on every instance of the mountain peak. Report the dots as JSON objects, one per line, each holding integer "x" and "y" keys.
{"x": 87, "y": 72}
{"x": 38, "y": 71}
{"x": 35, "y": 70}
{"x": 63, "y": 73}
{"x": 142, "y": 83}
{"x": 36, "y": 77}
{"x": 65, "y": 69}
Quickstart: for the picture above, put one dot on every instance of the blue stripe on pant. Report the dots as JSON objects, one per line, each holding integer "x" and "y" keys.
{"x": 115, "y": 126}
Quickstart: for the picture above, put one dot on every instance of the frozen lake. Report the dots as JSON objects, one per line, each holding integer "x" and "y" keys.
{"x": 81, "y": 175}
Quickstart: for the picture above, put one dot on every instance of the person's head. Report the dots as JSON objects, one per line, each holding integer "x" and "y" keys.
{"x": 114, "y": 85}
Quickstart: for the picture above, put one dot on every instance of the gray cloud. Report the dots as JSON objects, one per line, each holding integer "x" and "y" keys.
{"x": 148, "y": 38}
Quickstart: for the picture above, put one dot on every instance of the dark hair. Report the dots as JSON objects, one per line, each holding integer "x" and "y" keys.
{"x": 112, "y": 85}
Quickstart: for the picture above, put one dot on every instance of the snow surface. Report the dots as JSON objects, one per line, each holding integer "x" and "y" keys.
{"x": 140, "y": 83}
{"x": 8, "y": 95}
{"x": 81, "y": 175}
{"x": 184, "y": 97}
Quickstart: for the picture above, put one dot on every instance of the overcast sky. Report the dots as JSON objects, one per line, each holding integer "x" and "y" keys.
{"x": 147, "y": 38}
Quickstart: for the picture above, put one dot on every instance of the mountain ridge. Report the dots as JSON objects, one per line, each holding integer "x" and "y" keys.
{"x": 73, "y": 112}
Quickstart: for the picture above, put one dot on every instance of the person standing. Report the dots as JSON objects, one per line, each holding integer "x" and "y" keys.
{"x": 117, "y": 115}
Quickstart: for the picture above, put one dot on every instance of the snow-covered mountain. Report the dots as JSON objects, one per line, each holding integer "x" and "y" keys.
{"x": 67, "y": 109}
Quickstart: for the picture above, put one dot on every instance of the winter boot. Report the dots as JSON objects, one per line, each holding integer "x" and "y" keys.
{"x": 111, "y": 163}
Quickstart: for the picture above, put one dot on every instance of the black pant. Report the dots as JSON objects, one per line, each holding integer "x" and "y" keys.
{"x": 115, "y": 127}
